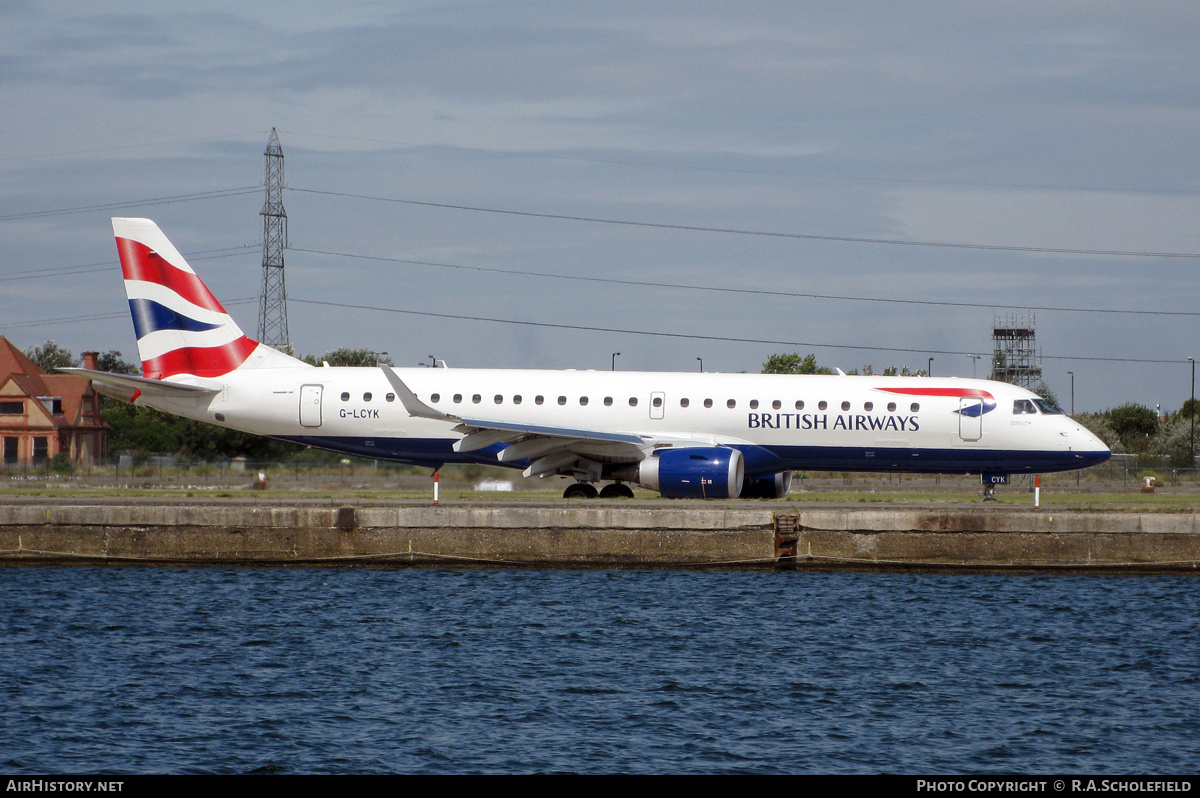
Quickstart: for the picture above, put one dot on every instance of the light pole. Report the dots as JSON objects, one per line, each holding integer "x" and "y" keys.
{"x": 974, "y": 360}
{"x": 701, "y": 364}
{"x": 1193, "y": 439}
{"x": 614, "y": 360}
{"x": 1072, "y": 392}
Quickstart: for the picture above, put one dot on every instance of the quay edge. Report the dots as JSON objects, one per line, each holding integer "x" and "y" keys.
{"x": 676, "y": 534}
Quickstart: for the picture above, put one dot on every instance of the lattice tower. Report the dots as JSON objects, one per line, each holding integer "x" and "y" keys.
{"x": 272, "y": 301}
{"x": 1015, "y": 358}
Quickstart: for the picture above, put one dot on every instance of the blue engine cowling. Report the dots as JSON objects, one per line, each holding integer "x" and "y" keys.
{"x": 700, "y": 473}
{"x": 776, "y": 486}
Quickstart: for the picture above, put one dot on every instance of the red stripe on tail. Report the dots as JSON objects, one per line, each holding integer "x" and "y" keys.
{"x": 212, "y": 361}
{"x": 139, "y": 262}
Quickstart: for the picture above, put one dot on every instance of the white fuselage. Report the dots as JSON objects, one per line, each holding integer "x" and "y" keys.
{"x": 779, "y": 422}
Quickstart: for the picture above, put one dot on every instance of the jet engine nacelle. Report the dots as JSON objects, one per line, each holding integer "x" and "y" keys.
{"x": 713, "y": 473}
{"x": 776, "y": 486}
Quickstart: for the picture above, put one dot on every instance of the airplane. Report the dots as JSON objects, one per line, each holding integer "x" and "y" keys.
{"x": 684, "y": 435}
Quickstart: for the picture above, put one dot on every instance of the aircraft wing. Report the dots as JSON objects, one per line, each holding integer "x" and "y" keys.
{"x": 128, "y": 387}
{"x": 548, "y": 448}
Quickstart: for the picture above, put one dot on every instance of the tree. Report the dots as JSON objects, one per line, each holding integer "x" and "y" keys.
{"x": 1133, "y": 424}
{"x": 794, "y": 364}
{"x": 1043, "y": 390}
{"x": 51, "y": 357}
{"x": 112, "y": 362}
{"x": 344, "y": 356}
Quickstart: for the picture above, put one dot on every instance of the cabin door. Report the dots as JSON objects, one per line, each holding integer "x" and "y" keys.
{"x": 970, "y": 418}
{"x": 658, "y": 401}
{"x": 310, "y": 405}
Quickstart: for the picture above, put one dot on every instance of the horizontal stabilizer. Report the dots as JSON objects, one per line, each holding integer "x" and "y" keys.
{"x": 127, "y": 386}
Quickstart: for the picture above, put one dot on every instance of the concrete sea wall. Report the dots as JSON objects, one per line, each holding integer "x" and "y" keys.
{"x": 674, "y": 534}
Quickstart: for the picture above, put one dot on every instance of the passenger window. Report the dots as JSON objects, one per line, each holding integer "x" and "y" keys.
{"x": 633, "y": 401}
{"x": 499, "y": 399}
{"x": 891, "y": 407}
{"x": 608, "y": 401}
{"x": 391, "y": 397}
{"x": 684, "y": 402}
{"x": 345, "y": 396}
{"x": 822, "y": 405}
{"x": 367, "y": 397}
{"x": 656, "y": 401}
{"x": 869, "y": 406}
{"x": 537, "y": 400}
{"x": 915, "y": 407}
{"x": 708, "y": 402}
{"x": 517, "y": 399}
{"x": 777, "y": 404}
{"x": 753, "y": 404}
{"x": 562, "y": 400}
{"x": 583, "y": 400}
{"x": 476, "y": 398}
{"x": 457, "y": 398}
{"x": 845, "y": 405}
{"x": 731, "y": 404}
{"x": 799, "y": 404}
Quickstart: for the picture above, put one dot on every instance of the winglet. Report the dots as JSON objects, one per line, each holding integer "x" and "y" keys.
{"x": 412, "y": 404}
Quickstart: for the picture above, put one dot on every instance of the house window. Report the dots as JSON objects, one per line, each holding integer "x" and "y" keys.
{"x": 10, "y": 450}
{"x": 12, "y": 408}
{"x": 41, "y": 449}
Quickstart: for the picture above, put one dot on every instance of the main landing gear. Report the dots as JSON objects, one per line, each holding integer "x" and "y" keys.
{"x": 582, "y": 490}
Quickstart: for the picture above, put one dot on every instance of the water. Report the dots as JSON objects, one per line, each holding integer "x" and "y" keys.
{"x": 293, "y": 670}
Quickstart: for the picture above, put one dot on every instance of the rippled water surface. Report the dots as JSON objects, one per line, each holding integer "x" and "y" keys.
{"x": 292, "y": 670}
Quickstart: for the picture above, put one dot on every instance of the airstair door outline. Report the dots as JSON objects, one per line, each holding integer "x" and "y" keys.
{"x": 658, "y": 403}
{"x": 970, "y": 418}
{"x": 310, "y": 405}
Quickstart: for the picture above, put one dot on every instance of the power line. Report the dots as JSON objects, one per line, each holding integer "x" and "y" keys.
{"x": 642, "y": 164}
{"x": 691, "y": 337}
{"x": 751, "y": 291}
{"x": 113, "y": 315}
{"x": 201, "y": 195}
{"x": 104, "y": 266}
{"x": 760, "y": 233}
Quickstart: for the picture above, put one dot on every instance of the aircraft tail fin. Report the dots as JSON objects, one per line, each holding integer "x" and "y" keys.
{"x": 181, "y": 328}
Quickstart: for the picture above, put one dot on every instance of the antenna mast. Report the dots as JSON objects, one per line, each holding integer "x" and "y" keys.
{"x": 272, "y": 302}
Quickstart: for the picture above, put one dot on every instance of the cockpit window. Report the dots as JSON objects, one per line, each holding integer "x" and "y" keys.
{"x": 1048, "y": 408}
{"x": 1023, "y": 406}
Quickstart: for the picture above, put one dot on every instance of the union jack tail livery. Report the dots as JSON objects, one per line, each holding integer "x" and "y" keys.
{"x": 180, "y": 326}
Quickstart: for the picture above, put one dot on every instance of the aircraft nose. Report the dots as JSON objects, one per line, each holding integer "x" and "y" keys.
{"x": 1087, "y": 445}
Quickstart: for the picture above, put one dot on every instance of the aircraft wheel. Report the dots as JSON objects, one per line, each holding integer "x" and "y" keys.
{"x": 580, "y": 490}
{"x": 616, "y": 491}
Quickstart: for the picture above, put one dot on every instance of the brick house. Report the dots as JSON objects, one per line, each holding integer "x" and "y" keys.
{"x": 42, "y": 414}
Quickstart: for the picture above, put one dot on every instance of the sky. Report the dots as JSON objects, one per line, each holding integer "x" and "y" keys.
{"x": 544, "y": 184}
